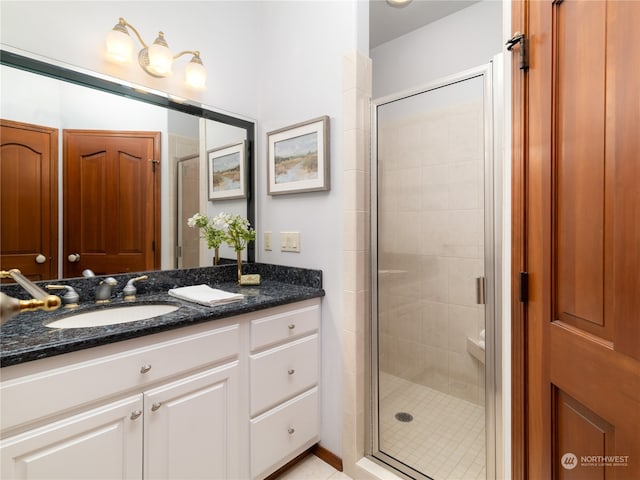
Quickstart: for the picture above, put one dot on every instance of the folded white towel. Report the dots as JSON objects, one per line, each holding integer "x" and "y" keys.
{"x": 205, "y": 295}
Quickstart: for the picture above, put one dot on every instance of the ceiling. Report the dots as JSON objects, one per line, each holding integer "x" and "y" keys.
{"x": 387, "y": 22}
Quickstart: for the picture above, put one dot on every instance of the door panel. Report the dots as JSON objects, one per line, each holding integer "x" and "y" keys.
{"x": 28, "y": 202}
{"x": 103, "y": 443}
{"x": 580, "y": 162}
{"x": 111, "y": 201}
{"x": 582, "y": 240}
{"x": 189, "y": 430}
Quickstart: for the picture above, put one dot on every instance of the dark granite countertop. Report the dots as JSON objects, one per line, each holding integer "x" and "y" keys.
{"x": 26, "y": 337}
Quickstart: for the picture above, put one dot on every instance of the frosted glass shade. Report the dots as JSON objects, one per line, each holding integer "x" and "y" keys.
{"x": 119, "y": 46}
{"x": 160, "y": 60}
{"x": 195, "y": 75}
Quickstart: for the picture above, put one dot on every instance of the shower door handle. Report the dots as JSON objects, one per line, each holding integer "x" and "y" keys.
{"x": 480, "y": 292}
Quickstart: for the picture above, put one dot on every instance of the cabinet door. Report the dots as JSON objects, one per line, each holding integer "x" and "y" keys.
{"x": 191, "y": 427}
{"x": 103, "y": 443}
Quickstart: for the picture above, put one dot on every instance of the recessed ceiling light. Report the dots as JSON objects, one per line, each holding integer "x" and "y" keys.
{"x": 399, "y": 3}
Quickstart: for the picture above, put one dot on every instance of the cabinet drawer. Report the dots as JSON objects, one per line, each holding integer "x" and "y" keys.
{"x": 47, "y": 392}
{"x": 282, "y": 372}
{"x": 285, "y": 325}
{"x": 281, "y": 433}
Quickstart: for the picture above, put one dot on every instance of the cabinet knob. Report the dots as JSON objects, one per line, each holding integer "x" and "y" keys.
{"x": 292, "y": 326}
{"x": 74, "y": 257}
{"x": 156, "y": 406}
{"x": 291, "y": 430}
{"x": 135, "y": 414}
{"x": 40, "y": 258}
{"x": 291, "y": 371}
{"x": 145, "y": 368}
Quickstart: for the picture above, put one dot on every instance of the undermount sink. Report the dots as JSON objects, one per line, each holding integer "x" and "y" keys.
{"x": 113, "y": 315}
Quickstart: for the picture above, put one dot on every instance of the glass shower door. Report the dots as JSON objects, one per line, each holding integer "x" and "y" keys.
{"x": 429, "y": 371}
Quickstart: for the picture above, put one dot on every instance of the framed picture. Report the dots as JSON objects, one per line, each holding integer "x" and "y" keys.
{"x": 298, "y": 157}
{"x": 226, "y": 177}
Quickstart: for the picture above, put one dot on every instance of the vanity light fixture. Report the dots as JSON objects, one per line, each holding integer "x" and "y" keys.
{"x": 156, "y": 59}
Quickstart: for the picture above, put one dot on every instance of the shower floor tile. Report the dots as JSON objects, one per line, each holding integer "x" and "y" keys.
{"x": 446, "y": 438}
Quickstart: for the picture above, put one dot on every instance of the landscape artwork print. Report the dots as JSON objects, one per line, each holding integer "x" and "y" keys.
{"x": 296, "y": 159}
{"x": 226, "y": 172}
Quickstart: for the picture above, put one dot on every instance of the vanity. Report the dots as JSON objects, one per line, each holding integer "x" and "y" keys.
{"x": 224, "y": 392}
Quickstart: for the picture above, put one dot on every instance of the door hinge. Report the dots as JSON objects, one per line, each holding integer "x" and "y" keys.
{"x": 524, "y": 287}
{"x": 519, "y": 38}
{"x": 153, "y": 245}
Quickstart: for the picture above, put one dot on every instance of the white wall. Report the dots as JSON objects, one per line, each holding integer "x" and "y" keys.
{"x": 463, "y": 40}
{"x": 301, "y": 78}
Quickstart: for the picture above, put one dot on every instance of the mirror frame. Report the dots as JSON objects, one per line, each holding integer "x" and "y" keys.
{"x": 143, "y": 94}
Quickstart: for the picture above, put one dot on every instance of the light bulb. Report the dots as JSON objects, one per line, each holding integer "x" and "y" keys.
{"x": 195, "y": 74}
{"x": 119, "y": 45}
{"x": 160, "y": 57}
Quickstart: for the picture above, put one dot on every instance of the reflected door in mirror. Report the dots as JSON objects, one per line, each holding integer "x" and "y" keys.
{"x": 28, "y": 201}
{"x": 111, "y": 201}
{"x": 188, "y": 198}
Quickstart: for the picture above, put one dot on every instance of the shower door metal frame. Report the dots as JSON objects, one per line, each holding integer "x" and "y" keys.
{"x": 493, "y": 105}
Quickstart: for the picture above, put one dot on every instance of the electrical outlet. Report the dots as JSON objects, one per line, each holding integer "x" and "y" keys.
{"x": 290, "y": 241}
{"x": 268, "y": 241}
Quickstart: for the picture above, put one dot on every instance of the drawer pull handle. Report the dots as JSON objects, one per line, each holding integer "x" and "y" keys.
{"x": 292, "y": 326}
{"x": 145, "y": 368}
{"x": 291, "y": 430}
{"x": 291, "y": 371}
{"x": 156, "y": 406}
{"x": 135, "y": 414}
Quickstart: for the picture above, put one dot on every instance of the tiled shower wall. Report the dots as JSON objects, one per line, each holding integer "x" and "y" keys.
{"x": 431, "y": 247}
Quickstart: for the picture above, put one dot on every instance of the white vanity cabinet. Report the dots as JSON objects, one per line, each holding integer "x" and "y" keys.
{"x": 105, "y": 442}
{"x": 234, "y": 398}
{"x": 284, "y": 367}
{"x": 163, "y": 406}
{"x": 189, "y": 427}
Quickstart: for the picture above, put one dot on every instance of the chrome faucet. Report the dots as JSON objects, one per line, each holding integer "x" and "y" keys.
{"x": 103, "y": 290}
{"x": 130, "y": 290}
{"x": 70, "y": 299}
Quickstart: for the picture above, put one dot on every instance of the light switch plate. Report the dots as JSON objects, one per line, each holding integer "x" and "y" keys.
{"x": 268, "y": 241}
{"x": 290, "y": 241}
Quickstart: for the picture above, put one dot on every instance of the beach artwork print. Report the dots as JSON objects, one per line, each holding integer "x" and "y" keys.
{"x": 226, "y": 172}
{"x": 296, "y": 159}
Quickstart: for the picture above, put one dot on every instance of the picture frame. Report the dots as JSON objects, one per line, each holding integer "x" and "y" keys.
{"x": 226, "y": 175}
{"x": 298, "y": 158}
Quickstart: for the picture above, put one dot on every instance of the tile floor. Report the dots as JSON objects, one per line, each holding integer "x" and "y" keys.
{"x": 445, "y": 439}
{"x": 312, "y": 468}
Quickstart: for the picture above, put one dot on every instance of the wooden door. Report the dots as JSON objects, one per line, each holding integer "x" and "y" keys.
{"x": 29, "y": 199}
{"x": 111, "y": 201}
{"x": 191, "y": 427}
{"x": 578, "y": 178}
{"x": 103, "y": 443}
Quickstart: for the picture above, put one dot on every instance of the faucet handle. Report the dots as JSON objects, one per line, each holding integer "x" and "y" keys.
{"x": 70, "y": 298}
{"x": 130, "y": 290}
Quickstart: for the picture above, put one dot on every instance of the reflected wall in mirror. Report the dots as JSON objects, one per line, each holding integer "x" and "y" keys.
{"x": 45, "y": 105}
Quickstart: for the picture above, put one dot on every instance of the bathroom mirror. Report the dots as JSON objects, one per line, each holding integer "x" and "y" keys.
{"x": 67, "y": 100}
